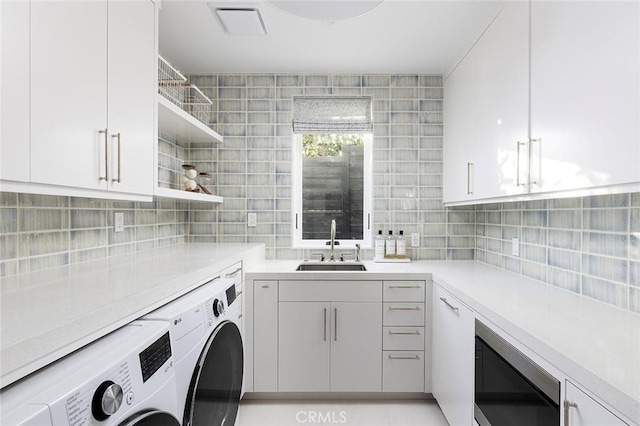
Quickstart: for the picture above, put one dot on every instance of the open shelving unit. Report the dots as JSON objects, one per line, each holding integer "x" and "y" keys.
{"x": 177, "y": 124}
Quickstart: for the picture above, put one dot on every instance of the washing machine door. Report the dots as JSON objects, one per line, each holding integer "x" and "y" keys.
{"x": 214, "y": 392}
{"x": 151, "y": 418}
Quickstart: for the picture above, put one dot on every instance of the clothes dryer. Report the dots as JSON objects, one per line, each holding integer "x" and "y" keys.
{"x": 125, "y": 378}
{"x": 205, "y": 335}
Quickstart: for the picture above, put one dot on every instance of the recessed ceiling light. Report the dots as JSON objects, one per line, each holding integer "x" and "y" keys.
{"x": 326, "y": 10}
{"x": 240, "y": 20}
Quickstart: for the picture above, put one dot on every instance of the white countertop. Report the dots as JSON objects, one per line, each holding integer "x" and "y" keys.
{"x": 597, "y": 345}
{"x": 48, "y": 314}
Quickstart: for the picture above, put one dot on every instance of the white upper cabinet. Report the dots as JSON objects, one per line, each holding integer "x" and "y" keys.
{"x": 502, "y": 104}
{"x": 93, "y": 80}
{"x": 14, "y": 91}
{"x": 551, "y": 94}
{"x": 585, "y": 94}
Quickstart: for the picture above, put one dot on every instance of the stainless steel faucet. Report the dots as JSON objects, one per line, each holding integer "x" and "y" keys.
{"x": 333, "y": 239}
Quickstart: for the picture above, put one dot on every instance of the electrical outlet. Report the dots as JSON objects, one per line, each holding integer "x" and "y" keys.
{"x": 118, "y": 222}
{"x": 415, "y": 239}
{"x": 515, "y": 247}
{"x": 252, "y": 220}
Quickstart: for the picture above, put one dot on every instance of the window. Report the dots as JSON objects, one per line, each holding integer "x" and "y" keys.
{"x": 332, "y": 176}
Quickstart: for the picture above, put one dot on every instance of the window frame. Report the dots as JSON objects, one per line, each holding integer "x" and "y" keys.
{"x": 296, "y": 194}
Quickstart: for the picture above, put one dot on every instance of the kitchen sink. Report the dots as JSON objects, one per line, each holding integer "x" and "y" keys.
{"x": 331, "y": 267}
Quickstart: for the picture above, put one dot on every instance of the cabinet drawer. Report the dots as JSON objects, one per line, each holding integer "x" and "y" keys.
{"x": 403, "y": 338}
{"x": 403, "y": 291}
{"x": 399, "y": 313}
{"x": 339, "y": 291}
{"x": 403, "y": 371}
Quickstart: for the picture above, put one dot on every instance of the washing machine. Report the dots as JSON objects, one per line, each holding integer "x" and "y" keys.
{"x": 208, "y": 352}
{"x": 125, "y": 378}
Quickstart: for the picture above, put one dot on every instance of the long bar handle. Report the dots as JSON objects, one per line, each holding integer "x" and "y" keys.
{"x": 469, "y": 165}
{"x": 118, "y": 179}
{"x": 106, "y": 155}
{"x": 239, "y": 293}
{"x": 531, "y": 142}
{"x": 568, "y": 405}
{"x": 404, "y": 333}
{"x": 404, "y": 286}
{"x": 519, "y": 144}
{"x": 325, "y": 324}
{"x": 449, "y": 305}
{"x": 396, "y": 308}
{"x": 335, "y": 324}
{"x": 404, "y": 357}
{"x": 234, "y": 272}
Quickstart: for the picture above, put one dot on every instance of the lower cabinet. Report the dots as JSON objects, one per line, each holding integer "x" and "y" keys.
{"x": 265, "y": 336}
{"x": 332, "y": 343}
{"x": 582, "y": 410}
{"x": 453, "y": 357}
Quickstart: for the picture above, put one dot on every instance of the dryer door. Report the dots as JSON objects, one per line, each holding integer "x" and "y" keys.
{"x": 214, "y": 392}
{"x": 151, "y": 418}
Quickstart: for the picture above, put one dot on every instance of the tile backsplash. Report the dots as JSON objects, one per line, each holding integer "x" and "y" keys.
{"x": 589, "y": 245}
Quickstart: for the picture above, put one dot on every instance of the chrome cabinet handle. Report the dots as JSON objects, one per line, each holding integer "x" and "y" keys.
{"x": 567, "y": 405}
{"x": 531, "y": 142}
{"x": 106, "y": 155}
{"x": 404, "y": 333}
{"x": 264, "y": 286}
{"x": 232, "y": 273}
{"x": 519, "y": 144}
{"x": 239, "y": 316}
{"x": 217, "y": 277}
{"x": 325, "y": 324}
{"x": 335, "y": 324}
{"x": 404, "y": 286}
{"x": 449, "y": 305}
{"x": 238, "y": 293}
{"x": 404, "y": 357}
{"x": 402, "y": 308}
{"x": 469, "y": 165}
{"x": 117, "y": 136}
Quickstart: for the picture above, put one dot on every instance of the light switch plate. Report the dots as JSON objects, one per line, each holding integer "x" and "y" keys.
{"x": 415, "y": 239}
{"x": 118, "y": 222}
{"x": 515, "y": 247}
{"x": 252, "y": 220}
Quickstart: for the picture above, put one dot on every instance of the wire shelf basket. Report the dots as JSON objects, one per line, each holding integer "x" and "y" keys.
{"x": 171, "y": 82}
{"x": 197, "y": 103}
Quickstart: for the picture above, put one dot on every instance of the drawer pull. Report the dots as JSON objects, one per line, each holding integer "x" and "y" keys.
{"x": 264, "y": 286}
{"x": 230, "y": 274}
{"x": 216, "y": 278}
{"x": 238, "y": 293}
{"x": 404, "y": 286}
{"x": 416, "y": 357}
{"x": 239, "y": 316}
{"x": 404, "y": 333}
{"x": 449, "y": 305}
{"x": 402, "y": 308}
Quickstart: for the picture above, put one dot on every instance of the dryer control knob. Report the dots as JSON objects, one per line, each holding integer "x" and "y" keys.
{"x": 218, "y": 307}
{"x": 106, "y": 400}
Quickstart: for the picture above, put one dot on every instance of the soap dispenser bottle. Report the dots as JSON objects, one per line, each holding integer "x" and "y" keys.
{"x": 401, "y": 246}
{"x": 390, "y": 246}
{"x": 379, "y": 245}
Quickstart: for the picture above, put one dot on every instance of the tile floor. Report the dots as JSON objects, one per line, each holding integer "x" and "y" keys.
{"x": 344, "y": 412}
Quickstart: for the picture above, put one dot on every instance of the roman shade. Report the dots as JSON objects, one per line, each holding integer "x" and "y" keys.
{"x": 332, "y": 114}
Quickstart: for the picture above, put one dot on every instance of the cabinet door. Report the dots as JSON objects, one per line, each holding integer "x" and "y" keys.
{"x": 356, "y": 347}
{"x": 502, "y": 107}
{"x": 14, "y": 91}
{"x": 303, "y": 350}
{"x": 131, "y": 95}
{"x": 453, "y": 357}
{"x": 68, "y": 92}
{"x": 459, "y": 119}
{"x": 265, "y": 336}
{"x": 586, "y": 411}
{"x": 585, "y": 94}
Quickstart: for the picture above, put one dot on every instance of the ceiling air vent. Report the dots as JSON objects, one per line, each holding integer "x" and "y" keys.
{"x": 240, "y": 21}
